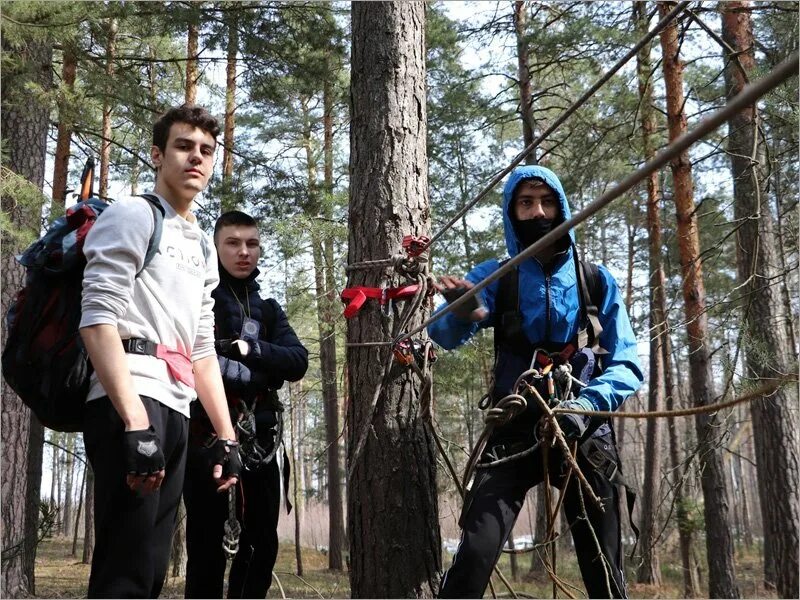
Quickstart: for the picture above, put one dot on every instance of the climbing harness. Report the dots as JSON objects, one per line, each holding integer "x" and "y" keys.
{"x": 253, "y": 454}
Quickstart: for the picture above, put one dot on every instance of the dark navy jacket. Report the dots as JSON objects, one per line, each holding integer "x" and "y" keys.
{"x": 277, "y": 356}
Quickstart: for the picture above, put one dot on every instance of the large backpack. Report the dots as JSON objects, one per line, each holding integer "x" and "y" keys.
{"x": 44, "y": 360}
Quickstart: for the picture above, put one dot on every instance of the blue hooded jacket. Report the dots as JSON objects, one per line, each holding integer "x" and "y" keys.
{"x": 621, "y": 375}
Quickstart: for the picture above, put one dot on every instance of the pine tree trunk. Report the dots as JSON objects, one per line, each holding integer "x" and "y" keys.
{"x": 297, "y": 395}
{"x": 66, "y": 517}
{"x": 327, "y": 353}
{"x": 766, "y": 352}
{"x": 524, "y": 79}
{"x": 64, "y": 137}
{"x": 24, "y": 123}
{"x": 178, "y": 553}
{"x": 230, "y": 104}
{"x": 78, "y": 513}
{"x": 393, "y": 516}
{"x": 649, "y": 570}
{"x": 88, "y": 524}
{"x": 105, "y": 144}
{"x": 192, "y": 76}
{"x": 719, "y": 541}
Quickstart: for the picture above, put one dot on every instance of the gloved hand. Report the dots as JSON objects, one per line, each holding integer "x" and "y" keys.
{"x": 452, "y": 289}
{"x": 226, "y": 454}
{"x": 573, "y": 426}
{"x": 142, "y": 450}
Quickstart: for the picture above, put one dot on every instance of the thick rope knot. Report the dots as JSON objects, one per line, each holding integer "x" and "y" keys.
{"x": 505, "y": 410}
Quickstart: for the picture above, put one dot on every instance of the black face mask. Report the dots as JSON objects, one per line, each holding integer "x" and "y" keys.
{"x": 532, "y": 230}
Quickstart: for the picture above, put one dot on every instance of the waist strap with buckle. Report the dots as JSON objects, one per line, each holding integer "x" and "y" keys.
{"x": 178, "y": 363}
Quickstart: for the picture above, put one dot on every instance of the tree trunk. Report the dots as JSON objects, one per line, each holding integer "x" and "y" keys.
{"x": 178, "y": 553}
{"x": 24, "y": 123}
{"x": 191, "y": 64}
{"x": 66, "y": 517}
{"x": 297, "y": 399}
{"x": 512, "y": 558}
{"x": 524, "y": 79}
{"x": 392, "y": 497}
{"x": 64, "y": 137}
{"x": 78, "y": 513}
{"x": 105, "y": 144}
{"x": 766, "y": 348}
{"x": 327, "y": 351}
{"x": 88, "y": 524}
{"x": 719, "y": 541}
{"x": 230, "y": 103}
{"x": 649, "y": 570}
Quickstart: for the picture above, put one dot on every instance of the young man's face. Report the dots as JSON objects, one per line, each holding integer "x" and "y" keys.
{"x": 186, "y": 164}
{"x": 535, "y": 201}
{"x": 238, "y": 249}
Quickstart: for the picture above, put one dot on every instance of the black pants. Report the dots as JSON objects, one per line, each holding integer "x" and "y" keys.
{"x": 495, "y": 501}
{"x": 133, "y": 533}
{"x": 258, "y": 503}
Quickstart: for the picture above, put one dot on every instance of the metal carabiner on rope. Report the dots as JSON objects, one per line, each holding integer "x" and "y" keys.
{"x": 232, "y": 528}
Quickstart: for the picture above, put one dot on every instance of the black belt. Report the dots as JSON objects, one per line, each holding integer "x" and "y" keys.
{"x": 139, "y": 346}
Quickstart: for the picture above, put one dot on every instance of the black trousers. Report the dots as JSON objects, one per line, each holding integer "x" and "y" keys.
{"x": 133, "y": 533}
{"x": 258, "y": 503}
{"x": 495, "y": 501}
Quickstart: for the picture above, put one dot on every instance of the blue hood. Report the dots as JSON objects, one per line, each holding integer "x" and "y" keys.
{"x": 518, "y": 175}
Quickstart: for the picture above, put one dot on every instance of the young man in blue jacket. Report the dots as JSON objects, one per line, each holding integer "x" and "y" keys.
{"x": 541, "y": 310}
{"x": 257, "y": 351}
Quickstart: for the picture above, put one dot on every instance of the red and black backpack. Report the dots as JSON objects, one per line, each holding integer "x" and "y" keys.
{"x": 44, "y": 360}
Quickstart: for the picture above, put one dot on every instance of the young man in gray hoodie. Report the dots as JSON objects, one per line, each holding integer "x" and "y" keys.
{"x": 149, "y": 333}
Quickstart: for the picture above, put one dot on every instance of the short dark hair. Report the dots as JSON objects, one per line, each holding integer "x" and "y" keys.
{"x": 234, "y": 217}
{"x": 187, "y": 113}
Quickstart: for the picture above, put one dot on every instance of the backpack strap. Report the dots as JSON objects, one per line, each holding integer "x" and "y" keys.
{"x": 590, "y": 285}
{"x": 158, "y": 220}
{"x": 508, "y": 318}
{"x": 155, "y": 240}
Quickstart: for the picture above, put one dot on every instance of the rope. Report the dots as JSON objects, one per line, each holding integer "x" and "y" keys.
{"x": 564, "y": 116}
{"x": 746, "y": 97}
{"x": 685, "y": 412}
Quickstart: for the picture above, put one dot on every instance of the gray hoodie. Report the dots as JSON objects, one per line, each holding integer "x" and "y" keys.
{"x": 169, "y": 302}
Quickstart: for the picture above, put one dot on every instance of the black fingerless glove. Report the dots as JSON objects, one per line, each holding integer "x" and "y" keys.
{"x": 226, "y": 453}
{"x": 142, "y": 450}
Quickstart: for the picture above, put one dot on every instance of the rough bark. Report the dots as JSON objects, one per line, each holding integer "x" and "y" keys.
{"x": 393, "y": 517}
{"x": 691, "y": 583}
{"x": 766, "y": 349}
{"x": 88, "y": 523}
{"x": 191, "y": 64}
{"x": 524, "y": 79}
{"x": 105, "y": 144}
{"x": 64, "y": 136}
{"x": 78, "y": 513}
{"x": 327, "y": 350}
{"x": 24, "y": 125}
{"x": 178, "y": 552}
{"x": 719, "y": 541}
{"x": 230, "y": 101}
{"x": 66, "y": 515}
{"x": 297, "y": 493}
{"x": 649, "y": 570}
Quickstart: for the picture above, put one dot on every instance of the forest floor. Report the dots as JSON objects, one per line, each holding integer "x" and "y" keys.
{"x": 60, "y": 575}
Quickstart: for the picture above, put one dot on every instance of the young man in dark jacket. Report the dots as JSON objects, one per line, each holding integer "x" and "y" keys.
{"x": 257, "y": 351}
{"x": 537, "y": 311}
